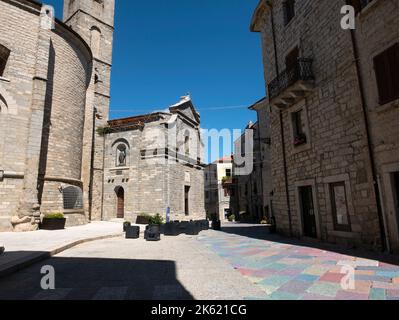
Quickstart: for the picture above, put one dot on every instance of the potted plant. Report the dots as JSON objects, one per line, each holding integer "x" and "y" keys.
{"x": 153, "y": 231}
{"x": 143, "y": 218}
{"x": 156, "y": 222}
{"x": 53, "y": 221}
{"x": 126, "y": 225}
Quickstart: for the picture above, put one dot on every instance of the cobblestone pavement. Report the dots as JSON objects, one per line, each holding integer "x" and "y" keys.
{"x": 285, "y": 271}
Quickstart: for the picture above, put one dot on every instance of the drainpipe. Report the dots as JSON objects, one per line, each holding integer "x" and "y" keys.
{"x": 260, "y": 155}
{"x": 281, "y": 120}
{"x": 381, "y": 218}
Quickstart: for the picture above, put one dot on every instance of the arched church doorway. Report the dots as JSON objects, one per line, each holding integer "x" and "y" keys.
{"x": 120, "y": 203}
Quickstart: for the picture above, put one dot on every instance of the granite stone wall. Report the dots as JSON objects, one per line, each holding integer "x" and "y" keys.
{"x": 336, "y": 148}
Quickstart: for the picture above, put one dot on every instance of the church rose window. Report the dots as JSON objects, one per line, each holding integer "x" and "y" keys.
{"x": 73, "y": 198}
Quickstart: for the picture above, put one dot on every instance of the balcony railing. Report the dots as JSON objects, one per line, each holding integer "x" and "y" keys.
{"x": 300, "y": 71}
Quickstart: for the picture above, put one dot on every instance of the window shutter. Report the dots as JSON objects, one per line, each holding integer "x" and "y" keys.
{"x": 394, "y": 71}
{"x": 386, "y": 67}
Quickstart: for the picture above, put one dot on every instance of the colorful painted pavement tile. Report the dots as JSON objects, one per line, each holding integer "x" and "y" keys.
{"x": 344, "y": 295}
{"x": 324, "y": 288}
{"x": 296, "y": 287}
{"x": 317, "y": 270}
{"x": 332, "y": 277}
{"x": 289, "y": 272}
{"x": 276, "y": 281}
{"x": 307, "y": 277}
{"x": 279, "y": 295}
{"x": 377, "y": 294}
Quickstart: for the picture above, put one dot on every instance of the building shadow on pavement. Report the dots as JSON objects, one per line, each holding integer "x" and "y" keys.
{"x": 97, "y": 279}
{"x": 262, "y": 232}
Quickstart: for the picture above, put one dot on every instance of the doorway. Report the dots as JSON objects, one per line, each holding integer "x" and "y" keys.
{"x": 120, "y": 206}
{"x": 308, "y": 212}
{"x": 186, "y": 200}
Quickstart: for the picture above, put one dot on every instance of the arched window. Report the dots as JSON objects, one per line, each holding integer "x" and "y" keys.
{"x": 73, "y": 198}
{"x": 4, "y": 55}
{"x": 121, "y": 155}
{"x": 187, "y": 144}
{"x": 95, "y": 41}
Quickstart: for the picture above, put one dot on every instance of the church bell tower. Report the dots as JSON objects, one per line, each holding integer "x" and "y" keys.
{"x": 93, "y": 20}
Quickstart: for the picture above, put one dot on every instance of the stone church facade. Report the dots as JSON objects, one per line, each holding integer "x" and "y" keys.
{"x": 333, "y": 106}
{"x": 54, "y": 93}
{"x": 153, "y": 162}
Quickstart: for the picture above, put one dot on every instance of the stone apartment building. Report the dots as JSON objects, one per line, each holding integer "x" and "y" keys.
{"x": 153, "y": 162}
{"x": 251, "y": 193}
{"x": 218, "y": 177}
{"x": 334, "y": 109}
{"x": 54, "y": 90}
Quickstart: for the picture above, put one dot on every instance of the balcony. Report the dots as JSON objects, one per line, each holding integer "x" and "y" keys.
{"x": 292, "y": 85}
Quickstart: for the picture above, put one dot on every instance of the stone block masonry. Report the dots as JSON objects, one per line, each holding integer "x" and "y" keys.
{"x": 330, "y": 109}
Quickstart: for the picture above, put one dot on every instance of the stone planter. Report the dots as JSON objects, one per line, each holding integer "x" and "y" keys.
{"x": 171, "y": 229}
{"x": 142, "y": 220}
{"x": 132, "y": 232}
{"x": 126, "y": 225}
{"x": 216, "y": 225}
{"x": 53, "y": 224}
{"x": 153, "y": 233}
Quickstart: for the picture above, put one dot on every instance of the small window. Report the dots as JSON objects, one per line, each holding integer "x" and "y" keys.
{"x": 73, "y": 198}
{"x": 121, "y": 155}
{"x": 339, "y": 205}
{"x": 298, "y": 127}
{"x": 289, "y": 11}
{"x": 187, "y": 145}
{"x": 291, "y": 60}
{"x": 4, "y": 55}
{"x": 386, "y": 67}
{"x": 228, "y": 173}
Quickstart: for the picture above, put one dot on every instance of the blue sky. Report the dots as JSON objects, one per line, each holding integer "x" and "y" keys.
{"x": 165, "y": 49}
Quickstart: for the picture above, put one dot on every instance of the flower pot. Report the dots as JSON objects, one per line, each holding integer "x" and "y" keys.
{"x": 142, "y": 220}
{"x": 171, "y": 229}
{"x": 216, "y": 225}
{"x": 192, "y": 229}
{"x": 126, "y": 225}
{"x": 153, "y": 233}
{"x": 132, "y": 232}
{"x": 53, "y": 224}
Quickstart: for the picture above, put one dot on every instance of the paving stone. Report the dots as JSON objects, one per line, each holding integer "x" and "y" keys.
{"x": 377, "y": 294}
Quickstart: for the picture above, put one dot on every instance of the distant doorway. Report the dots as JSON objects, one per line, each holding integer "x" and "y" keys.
{"x": 186, "y": 200}
{"x": 120, "y": 205}
{"x": 308, "y": 212}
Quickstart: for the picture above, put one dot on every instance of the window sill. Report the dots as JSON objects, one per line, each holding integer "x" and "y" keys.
{"x": 4, "y": 80}
{"x": 73, "y": 211}
{"x": 381, "y": 108}
{"x": 119, "y": 168}
{"x": 301, "y": 148}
